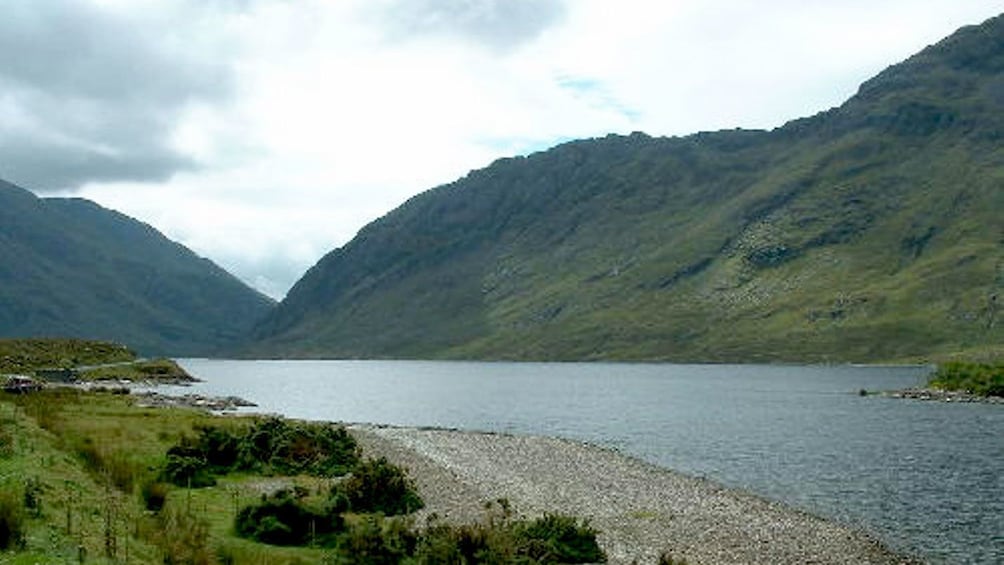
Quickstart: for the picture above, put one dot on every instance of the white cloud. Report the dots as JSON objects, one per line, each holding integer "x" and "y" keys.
{"x": 268, "y": 132}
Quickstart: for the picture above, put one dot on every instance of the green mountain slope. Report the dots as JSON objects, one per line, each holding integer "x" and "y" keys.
{"x": 872, "y": 231}
{"x": 70, "y": 268}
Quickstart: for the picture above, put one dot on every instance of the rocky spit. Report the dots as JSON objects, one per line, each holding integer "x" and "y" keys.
{"x": 641, "y": 511}
{"x": 939, "y": 395}
{"x": 209, "y": 403}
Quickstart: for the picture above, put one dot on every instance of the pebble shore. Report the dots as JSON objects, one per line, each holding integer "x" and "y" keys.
{"x": 641, "y": 510}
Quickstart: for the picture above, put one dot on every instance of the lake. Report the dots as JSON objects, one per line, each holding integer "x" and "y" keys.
{"x": 925, "y": 477}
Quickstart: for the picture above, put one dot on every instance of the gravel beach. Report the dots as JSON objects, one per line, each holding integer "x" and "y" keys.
{"x": 641, "y": 510}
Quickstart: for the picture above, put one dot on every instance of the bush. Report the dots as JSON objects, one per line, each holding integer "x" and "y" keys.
{"x": 11, "y": 520}
{"x": 187, "y": 466}
{"x": 470, "y": 543}
{"x": 375, "y": 541}
{"x": 270, "y": 446}
{"x": 441, "y": 544}
{"x": 547, "y": 540}
{"x": 376, "y": 485}
{"x": 154, "y": 495}
{"x": 976, "y": 378}
{"x": 219, "y": 446}
{"x": 556, "y": 538}
{"x": 275, "y": 445}
{"x": 284, "y": 519}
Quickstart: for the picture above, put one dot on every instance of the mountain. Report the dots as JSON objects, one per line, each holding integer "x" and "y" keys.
{"x": 70, "y": 268}
{"x": 872, "y": 231}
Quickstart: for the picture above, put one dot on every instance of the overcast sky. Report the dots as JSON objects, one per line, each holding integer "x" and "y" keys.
{"x": 264, "y": 133}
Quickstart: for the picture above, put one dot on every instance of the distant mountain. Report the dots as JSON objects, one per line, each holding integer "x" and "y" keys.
{"x": 873, "y": 231}
{"x": 70, "y": 268}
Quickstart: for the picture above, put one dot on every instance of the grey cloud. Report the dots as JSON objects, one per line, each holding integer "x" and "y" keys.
{"x": 89, "y": 95}
{"x": 498, "y": 24}
{"x": 50, "y": 168}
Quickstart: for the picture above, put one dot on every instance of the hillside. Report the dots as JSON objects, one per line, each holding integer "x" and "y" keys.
{"x": 70, "y": 268}
{"x": 868, "y": 232}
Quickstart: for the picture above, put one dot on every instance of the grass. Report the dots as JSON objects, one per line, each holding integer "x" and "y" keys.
{"x": 76, "y": 509}
{"x": 88, "y": 476}
{"x": 110, "y": 361}
{"x": 91, "y": 454}
{"x": 219, "y": 506}
{"x": 147, "y": 370}
{"x": 12, "y": 520}
{"x": 27, "y": 355}
{"x": 81, "y": 479}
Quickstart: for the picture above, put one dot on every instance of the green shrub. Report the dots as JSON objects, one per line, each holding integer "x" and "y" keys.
{"x": 441, "y": 544}
{"x": 373, "y": 540}
{"x": 12, "y": 520}
{"x": 187, "y": 466}
{"x": 277, "y": 446}
{"x": 976, "y": 378}
{"x": 667, "y": 559}
{"x": 499, "y": 539}
{"x": 469, "y": 543}
{"x": 377, "y": 485}
{"x": 270, "y": 446}
{"x": 556, "y": 538}
{"x": 219, "y": 446}
{"x": 285, "y": 519}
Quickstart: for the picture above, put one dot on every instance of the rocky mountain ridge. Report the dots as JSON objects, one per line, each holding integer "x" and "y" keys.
{"x": 869, "y": 232}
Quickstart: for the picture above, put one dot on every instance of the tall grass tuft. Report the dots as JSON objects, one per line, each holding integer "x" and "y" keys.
{"x": 6, "y": 442}
{"x": 12, "y": 519}
{"x": 110, "y": 464}
{"x": 183, "y": 538}
{"x": 154, "y": 495}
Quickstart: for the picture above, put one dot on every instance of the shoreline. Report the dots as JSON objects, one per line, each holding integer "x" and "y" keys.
{"x": 641, "y": 510}
{"x": 940, "y": 395}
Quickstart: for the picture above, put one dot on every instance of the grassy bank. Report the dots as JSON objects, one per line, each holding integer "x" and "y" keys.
{"x": 90, "y": 477}
{"x": 85, "y": 360}
{"x": 149, "y": 370}
{"x": 24, "y": 356}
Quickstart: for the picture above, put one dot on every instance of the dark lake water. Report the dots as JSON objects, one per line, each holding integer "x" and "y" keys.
{"x": 926, "y": 478}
